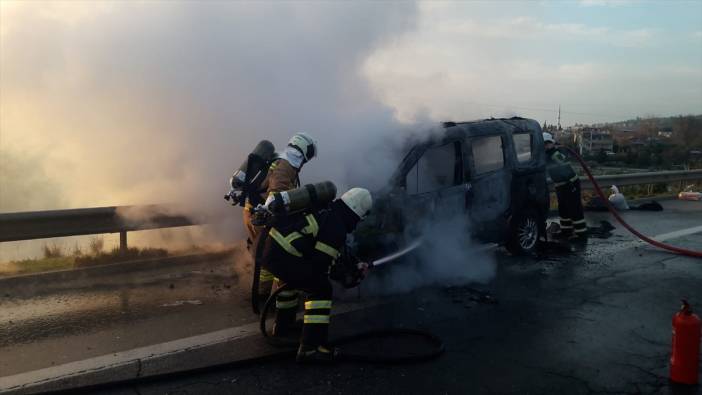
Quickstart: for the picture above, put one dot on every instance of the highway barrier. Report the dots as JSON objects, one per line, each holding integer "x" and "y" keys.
{"x": 122, "y": 219}
{"x": 87, "y": 221}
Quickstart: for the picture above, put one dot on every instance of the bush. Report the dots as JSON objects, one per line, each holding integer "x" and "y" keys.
{"x": 52, "y": 251}
{"x": 118, "y": 256}
{"x": 96, "y": 245}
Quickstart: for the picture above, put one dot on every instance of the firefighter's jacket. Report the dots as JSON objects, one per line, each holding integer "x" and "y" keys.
{"x": 313, "y": 239}
{"x": 281, "y": 177}
{"x": 560, "y": 171}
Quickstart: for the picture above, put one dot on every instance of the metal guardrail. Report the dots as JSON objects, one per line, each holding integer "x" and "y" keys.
{"x": 86, "y": 221}
{"x": 658, "y": 177}
{"x": 650, "y": 178}
{"x": 122, "y": 219}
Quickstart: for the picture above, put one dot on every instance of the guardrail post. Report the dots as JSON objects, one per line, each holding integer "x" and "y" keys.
{"x": 123, "y": 241}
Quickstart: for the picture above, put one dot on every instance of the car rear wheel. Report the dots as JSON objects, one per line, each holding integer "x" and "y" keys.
{"x": 525, "y": 233}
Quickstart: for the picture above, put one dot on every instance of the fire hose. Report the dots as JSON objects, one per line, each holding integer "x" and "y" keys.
{"x": 615, "y": 213}
{"x": 435, "y": 345}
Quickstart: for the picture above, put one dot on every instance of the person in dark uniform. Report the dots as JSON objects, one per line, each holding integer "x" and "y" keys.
{"x": 567, "y": 184}
{"x": 300, "y": 250}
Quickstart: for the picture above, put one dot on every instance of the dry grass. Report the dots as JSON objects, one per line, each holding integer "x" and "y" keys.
{"x": 96, "y": 245}
{"x": 36, "y": 265}
{"x": 55, "y": 258}
{"x": 52, "y": 251}
{"x": 116, "y": 255}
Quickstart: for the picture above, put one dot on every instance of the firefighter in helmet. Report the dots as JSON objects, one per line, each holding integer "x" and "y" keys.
{"x": 300, "y": 251}
{"x": 283, "y": 175}
{"x": 570, "y": 207}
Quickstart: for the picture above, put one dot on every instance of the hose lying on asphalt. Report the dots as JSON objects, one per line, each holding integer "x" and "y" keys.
{"x": 656, "y": 243}
{"x": 435, "y": 349}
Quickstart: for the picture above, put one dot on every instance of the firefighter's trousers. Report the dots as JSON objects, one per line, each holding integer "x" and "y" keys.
{"x": 252, "y": 232}
{"x": 314, "y": 280}
{"x": 570, "y": 209}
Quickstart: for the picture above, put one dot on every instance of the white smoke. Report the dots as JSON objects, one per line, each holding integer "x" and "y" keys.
{"x": 124, "y": 103}
{"x": 447, "y": 256}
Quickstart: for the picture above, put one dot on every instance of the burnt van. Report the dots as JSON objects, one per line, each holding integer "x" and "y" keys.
{"x": 491, "y": 172}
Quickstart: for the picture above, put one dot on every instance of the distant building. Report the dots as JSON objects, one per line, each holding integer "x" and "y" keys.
{"x": 665, "y": 133}
{"x": 593, "y": 140}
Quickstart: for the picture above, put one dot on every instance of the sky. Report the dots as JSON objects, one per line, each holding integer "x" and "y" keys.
{"x": 599, "y": 60}
{"x": 115, "y": 103}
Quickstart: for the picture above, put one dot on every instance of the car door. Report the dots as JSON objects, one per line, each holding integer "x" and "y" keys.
{"x": 434, "y": 184}
{"x": 490, "y": 193}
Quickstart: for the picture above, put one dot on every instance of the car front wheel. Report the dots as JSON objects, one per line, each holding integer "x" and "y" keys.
{"x": 525, "y": 233}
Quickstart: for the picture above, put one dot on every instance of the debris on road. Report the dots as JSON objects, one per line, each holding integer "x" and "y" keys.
{"x": 470, "y": 297}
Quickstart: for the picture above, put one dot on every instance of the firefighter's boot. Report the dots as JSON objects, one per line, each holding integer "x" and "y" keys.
{"x": 315, "y": 332}
{"x": 285, "y": 315}
{"x": 315, "y": 354}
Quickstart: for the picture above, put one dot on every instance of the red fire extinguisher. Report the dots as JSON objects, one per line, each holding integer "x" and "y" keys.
{"x": 685, "y": 357}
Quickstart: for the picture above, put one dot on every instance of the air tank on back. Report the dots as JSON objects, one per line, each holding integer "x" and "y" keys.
{"x": 293, "y": 201}
{"x": 263, "y": 153}
{"x": 298, "y": 199}
{"x": 310, "y": 195}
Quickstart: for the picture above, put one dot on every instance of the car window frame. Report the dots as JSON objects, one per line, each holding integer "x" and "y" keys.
{"x": 505, "y": 163}
{"x": 532, "y": 142}
{"x": 459, "y": 172}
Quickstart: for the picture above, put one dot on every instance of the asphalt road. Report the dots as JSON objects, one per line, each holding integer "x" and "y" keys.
{"x": 89, "y": 317}
{"x": 594, "y": 320}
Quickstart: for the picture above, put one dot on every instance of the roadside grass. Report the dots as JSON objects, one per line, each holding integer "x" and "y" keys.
{"x": 27, "y": 266}
{"x": 102, "y": 258}
{"x": 56, "y": 258}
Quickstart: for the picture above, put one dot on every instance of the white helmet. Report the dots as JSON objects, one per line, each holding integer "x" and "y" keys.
{"x": 548, "y": 138}
{"x": 359, "y": 200}
{"x": 305, "y": 144}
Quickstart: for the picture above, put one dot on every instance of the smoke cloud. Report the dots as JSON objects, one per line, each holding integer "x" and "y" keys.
{"x": 117, "y": 103}
{"x": 447, "y": 256}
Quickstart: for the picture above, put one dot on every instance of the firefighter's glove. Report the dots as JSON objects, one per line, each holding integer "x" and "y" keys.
{"x": 363, "y": 269}
{"x": 261, "y": 216}
{"x": 277, "y": 202}
{"x": 349, "y": 276}
{"x": 234, "y": 197}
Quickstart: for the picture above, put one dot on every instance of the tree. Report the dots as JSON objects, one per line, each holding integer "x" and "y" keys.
{"x": 601, "y": 156}
{"x": 643, "y": 159}
{"x": 687, "y": 131}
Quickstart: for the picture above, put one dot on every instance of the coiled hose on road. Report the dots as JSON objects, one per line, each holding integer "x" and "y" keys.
{"x": 434, "y": 346}
{"x": 615, "y": 213}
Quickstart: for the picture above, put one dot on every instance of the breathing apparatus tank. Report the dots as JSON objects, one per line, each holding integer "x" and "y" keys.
{"x": 263, "y": 153}
{"x": 251, "y": 173}
{"x": 294, "y": 200}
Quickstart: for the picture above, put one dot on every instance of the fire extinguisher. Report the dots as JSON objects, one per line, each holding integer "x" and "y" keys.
{"x": 685, "y": 357}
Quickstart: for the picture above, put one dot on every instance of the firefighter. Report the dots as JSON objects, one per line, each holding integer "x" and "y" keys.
{"x": 570, "y": 207}
{"x": 283, "y": 174}
{"x": 300, "y": 250}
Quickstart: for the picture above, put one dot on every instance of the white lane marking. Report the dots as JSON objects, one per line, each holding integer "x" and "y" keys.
{"x": 678, "y": 233}
{"x": 661, "y": 237}
{"x": 29, "y": 379}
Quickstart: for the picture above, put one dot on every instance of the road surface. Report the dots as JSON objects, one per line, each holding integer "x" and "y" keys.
{"x": 596, "y": 320}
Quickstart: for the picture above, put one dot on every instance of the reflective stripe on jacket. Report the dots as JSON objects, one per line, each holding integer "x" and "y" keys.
{"x": 316, "y": 238}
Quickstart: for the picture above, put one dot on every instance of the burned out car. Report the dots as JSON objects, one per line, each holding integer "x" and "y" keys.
{"x": 490, "y": 172}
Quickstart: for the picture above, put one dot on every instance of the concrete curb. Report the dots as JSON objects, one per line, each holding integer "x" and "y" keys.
{"x": 194, "y": 352}
{"x": 224, "y": 347}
